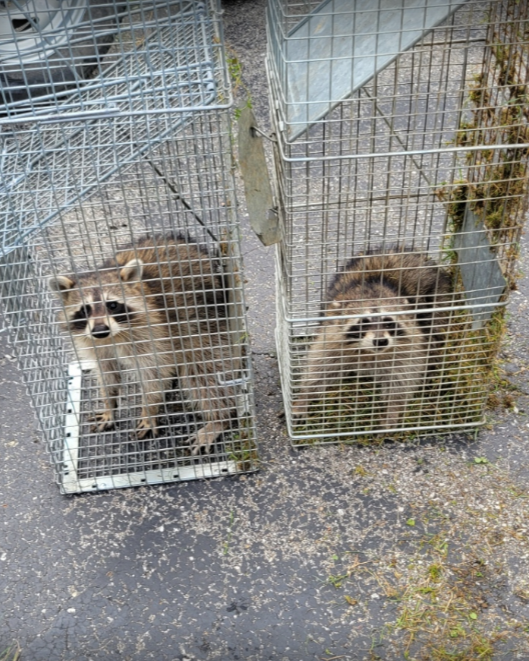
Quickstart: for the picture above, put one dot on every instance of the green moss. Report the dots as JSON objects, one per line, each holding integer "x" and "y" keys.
{"x": 497, "y": 185}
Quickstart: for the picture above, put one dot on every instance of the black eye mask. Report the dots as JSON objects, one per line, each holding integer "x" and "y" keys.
{"x": 80, "y": 317}
{"x": 119, "y": 311}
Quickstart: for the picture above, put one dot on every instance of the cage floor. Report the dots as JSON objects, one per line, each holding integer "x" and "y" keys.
{"x": 452, "y": 397}
{"x": 118, "y": 458}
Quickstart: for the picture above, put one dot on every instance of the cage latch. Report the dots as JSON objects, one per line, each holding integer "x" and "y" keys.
{"x": 263, "y": 216}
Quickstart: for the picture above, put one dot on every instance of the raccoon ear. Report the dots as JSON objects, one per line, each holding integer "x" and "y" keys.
{"x": 332, "y": 308}
{"x": 132, "y": 270}
{"x": 61, "y": 284}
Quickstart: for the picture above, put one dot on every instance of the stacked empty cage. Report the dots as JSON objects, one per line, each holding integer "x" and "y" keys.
{"x": 120, "y": 269}
{"x": 401, "y": 164}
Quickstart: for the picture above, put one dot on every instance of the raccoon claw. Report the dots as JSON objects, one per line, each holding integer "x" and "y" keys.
{"x": 103, "y": 421}
{"x": 144, "y": 428}
{"x": 205, "y": 437}
{"x": 196, "y": 445}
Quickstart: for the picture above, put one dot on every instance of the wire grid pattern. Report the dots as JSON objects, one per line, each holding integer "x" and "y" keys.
{"x": 82, "y": 189}
{"x": 157, "y": 63}
{"x": 140, "y": 44}
{"x": 430, "y": 153}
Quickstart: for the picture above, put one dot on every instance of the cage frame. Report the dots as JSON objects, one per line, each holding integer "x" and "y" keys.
{"x": 305, "y": 148}
{"x": 28, "y": 240}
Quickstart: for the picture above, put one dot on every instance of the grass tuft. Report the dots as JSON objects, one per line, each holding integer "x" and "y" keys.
{"x": 11, "y": 653}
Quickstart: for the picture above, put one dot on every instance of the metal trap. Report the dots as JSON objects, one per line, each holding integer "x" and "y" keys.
{"x": 401, "y": 164}
{"x": 133, "y": 158}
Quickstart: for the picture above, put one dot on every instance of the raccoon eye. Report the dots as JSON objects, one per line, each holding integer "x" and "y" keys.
{"x": 389, "y": 324}
{"x": 366, "y": 321}
{"x": 112, "y": 305}
{"x": 85, "y": 311}
{"x": 354, "y": 332}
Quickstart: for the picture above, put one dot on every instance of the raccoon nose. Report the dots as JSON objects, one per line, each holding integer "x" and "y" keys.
{"x": 100, "y": 331}
{"x": 381, "y": 341}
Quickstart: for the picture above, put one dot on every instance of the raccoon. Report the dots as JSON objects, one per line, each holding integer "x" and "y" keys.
{"x": 157, "y": 308}
{"x": 380, "y": 321}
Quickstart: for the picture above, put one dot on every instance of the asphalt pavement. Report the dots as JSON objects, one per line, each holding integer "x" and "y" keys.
{"x": 322, "y": 554}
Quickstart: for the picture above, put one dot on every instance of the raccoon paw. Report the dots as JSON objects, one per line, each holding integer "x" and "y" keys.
{"x": 390, "y": 420}
{"x": 206, "y": 437}
{"x": 103, "y": 421}
{"x": 145, "y": 427}
{"x": 299, "y": 409}
{"x": 196, "y": 445}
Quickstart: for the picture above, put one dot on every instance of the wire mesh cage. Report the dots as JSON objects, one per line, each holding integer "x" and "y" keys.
{"x": 120, "y": 266}
{"x": 401, "y": 166}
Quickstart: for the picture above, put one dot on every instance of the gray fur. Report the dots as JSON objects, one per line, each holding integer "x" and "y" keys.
{"x": 170, "y": 322}
{"x": 386, "y": 328}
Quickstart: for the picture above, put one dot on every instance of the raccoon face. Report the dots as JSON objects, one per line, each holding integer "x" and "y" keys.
{"x": 99, "y": 318}
{"x": 375, "y": 333}
{"x": 96, "y": 309}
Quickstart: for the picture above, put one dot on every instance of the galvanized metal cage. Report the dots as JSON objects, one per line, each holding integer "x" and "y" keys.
{"x": 127, "y": 162}
{"x": 402, "y": 141}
